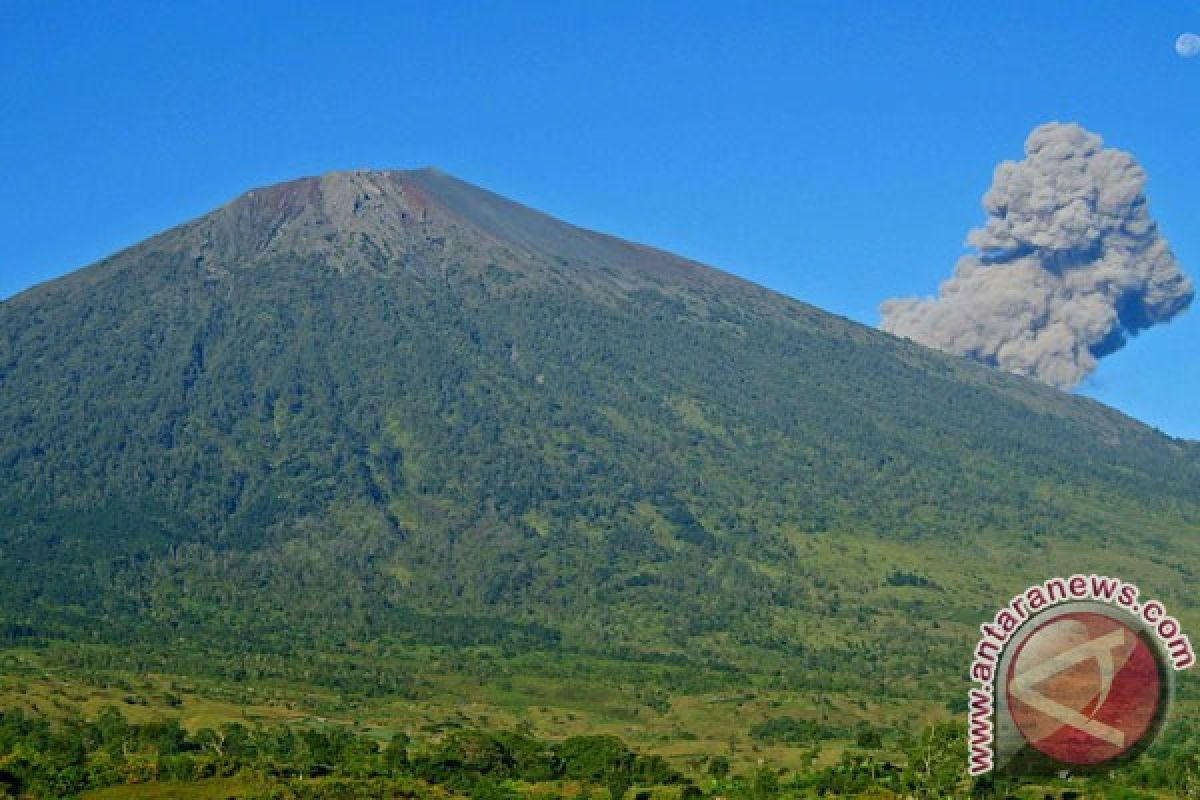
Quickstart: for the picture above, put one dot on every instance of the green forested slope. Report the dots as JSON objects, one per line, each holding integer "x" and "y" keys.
{"x": 391, "y": 408}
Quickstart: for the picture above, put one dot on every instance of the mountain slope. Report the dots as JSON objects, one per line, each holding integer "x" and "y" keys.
{"x": 393, "y": 407}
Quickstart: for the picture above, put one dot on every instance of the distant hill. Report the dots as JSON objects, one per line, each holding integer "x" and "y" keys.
{"x": 382, "y": 409}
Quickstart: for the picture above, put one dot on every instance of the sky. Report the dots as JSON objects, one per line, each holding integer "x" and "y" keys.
{"x": 833, "y": 151}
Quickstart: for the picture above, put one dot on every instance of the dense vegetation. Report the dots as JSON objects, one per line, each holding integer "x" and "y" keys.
{"x": 65, "y": 759}
{"x": 44, "y": 760}
{"x": 364, "y": 432}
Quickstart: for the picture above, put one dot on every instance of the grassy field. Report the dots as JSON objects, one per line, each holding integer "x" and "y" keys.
{"x": 685, "y": 729}
{"x": 691, "y": 731}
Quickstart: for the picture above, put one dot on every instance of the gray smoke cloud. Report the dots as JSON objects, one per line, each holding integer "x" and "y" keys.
{"x": 1068, "y": 266}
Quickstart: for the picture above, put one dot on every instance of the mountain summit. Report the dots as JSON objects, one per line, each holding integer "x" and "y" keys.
{"x": 392, "y": 407}
{"x": 379, "y": 219}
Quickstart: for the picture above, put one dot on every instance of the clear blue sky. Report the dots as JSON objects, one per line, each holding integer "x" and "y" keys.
{"x": 834, "y": 151}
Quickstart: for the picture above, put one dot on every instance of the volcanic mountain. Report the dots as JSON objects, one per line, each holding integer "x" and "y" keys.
{"x": 394, "y": 408}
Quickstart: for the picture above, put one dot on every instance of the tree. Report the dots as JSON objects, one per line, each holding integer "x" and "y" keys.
{"x": 395, "y": 757}
{"x": 618, "y": 781}
{"x": 593, "y": 757}
{"x": 936, "y": 761}
{"x": 869, "y": 739}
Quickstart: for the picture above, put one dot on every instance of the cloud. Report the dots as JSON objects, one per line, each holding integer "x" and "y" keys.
{"x": 1068, "y": 266}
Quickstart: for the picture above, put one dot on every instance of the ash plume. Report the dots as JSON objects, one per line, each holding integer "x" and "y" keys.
{"x": 1068, "y": 266}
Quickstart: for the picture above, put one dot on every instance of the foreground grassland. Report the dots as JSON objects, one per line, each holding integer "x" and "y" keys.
{"x": 67, "y": 734}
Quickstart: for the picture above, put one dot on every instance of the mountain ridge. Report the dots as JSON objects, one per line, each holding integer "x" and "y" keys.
{"x": 408, "y": 196}
{"x": 379, "y": 203}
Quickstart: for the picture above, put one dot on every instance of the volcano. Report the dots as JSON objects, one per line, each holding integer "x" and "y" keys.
{"x": 392, "y": 407}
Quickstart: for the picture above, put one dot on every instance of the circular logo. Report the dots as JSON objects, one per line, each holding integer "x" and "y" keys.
{"x": 1085, "y": 688}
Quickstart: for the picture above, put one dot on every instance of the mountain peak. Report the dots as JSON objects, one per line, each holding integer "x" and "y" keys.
{"x": 358, "y": 218}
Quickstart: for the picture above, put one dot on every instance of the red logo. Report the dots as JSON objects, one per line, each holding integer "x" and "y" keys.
{"x": 1085, "y": 688}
